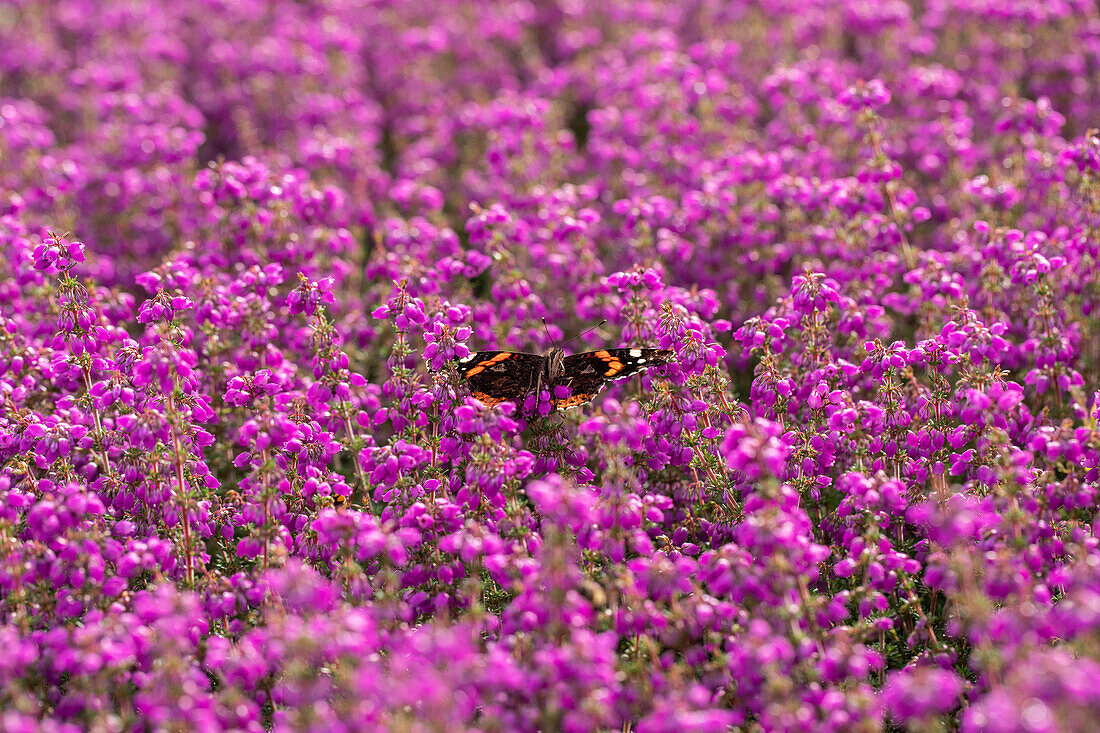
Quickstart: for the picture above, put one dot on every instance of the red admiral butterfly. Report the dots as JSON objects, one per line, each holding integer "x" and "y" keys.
{"x": 497, "y": 376}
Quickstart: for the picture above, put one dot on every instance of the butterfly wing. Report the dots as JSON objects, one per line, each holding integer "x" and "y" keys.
{"x": 586, "y": 374}
{"x": 497, "y": 376}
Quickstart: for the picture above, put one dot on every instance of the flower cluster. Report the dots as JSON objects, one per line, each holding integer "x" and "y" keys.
{"x": 243, "y": 484}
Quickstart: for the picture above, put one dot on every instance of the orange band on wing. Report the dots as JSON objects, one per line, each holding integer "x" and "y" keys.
{"x": 487, "y": 399}
{"x": 483, "y": 365}
{"x": 572, "y": 401}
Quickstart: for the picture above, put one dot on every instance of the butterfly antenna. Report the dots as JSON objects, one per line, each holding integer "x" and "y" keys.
{"x": 582, "y": 333}
{"x": 547, "y": 329}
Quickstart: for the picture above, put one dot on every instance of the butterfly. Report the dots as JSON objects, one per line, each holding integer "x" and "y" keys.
{"x": 497, "y": 376}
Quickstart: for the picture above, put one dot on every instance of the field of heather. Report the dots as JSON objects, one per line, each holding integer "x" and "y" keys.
{"x": 265, "y": 463}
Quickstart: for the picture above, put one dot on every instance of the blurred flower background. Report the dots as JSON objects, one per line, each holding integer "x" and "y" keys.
{"x": 244, "y": 487}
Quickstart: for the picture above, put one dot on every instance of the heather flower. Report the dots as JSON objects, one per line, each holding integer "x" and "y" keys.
{"x": 918, "y": 693}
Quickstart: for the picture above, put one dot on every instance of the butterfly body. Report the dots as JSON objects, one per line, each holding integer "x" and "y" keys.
{"x": 497, "y": 376}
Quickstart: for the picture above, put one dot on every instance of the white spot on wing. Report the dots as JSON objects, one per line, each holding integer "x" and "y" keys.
{"x": 467, "y": 359}
{"x": 636, "y": 352}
